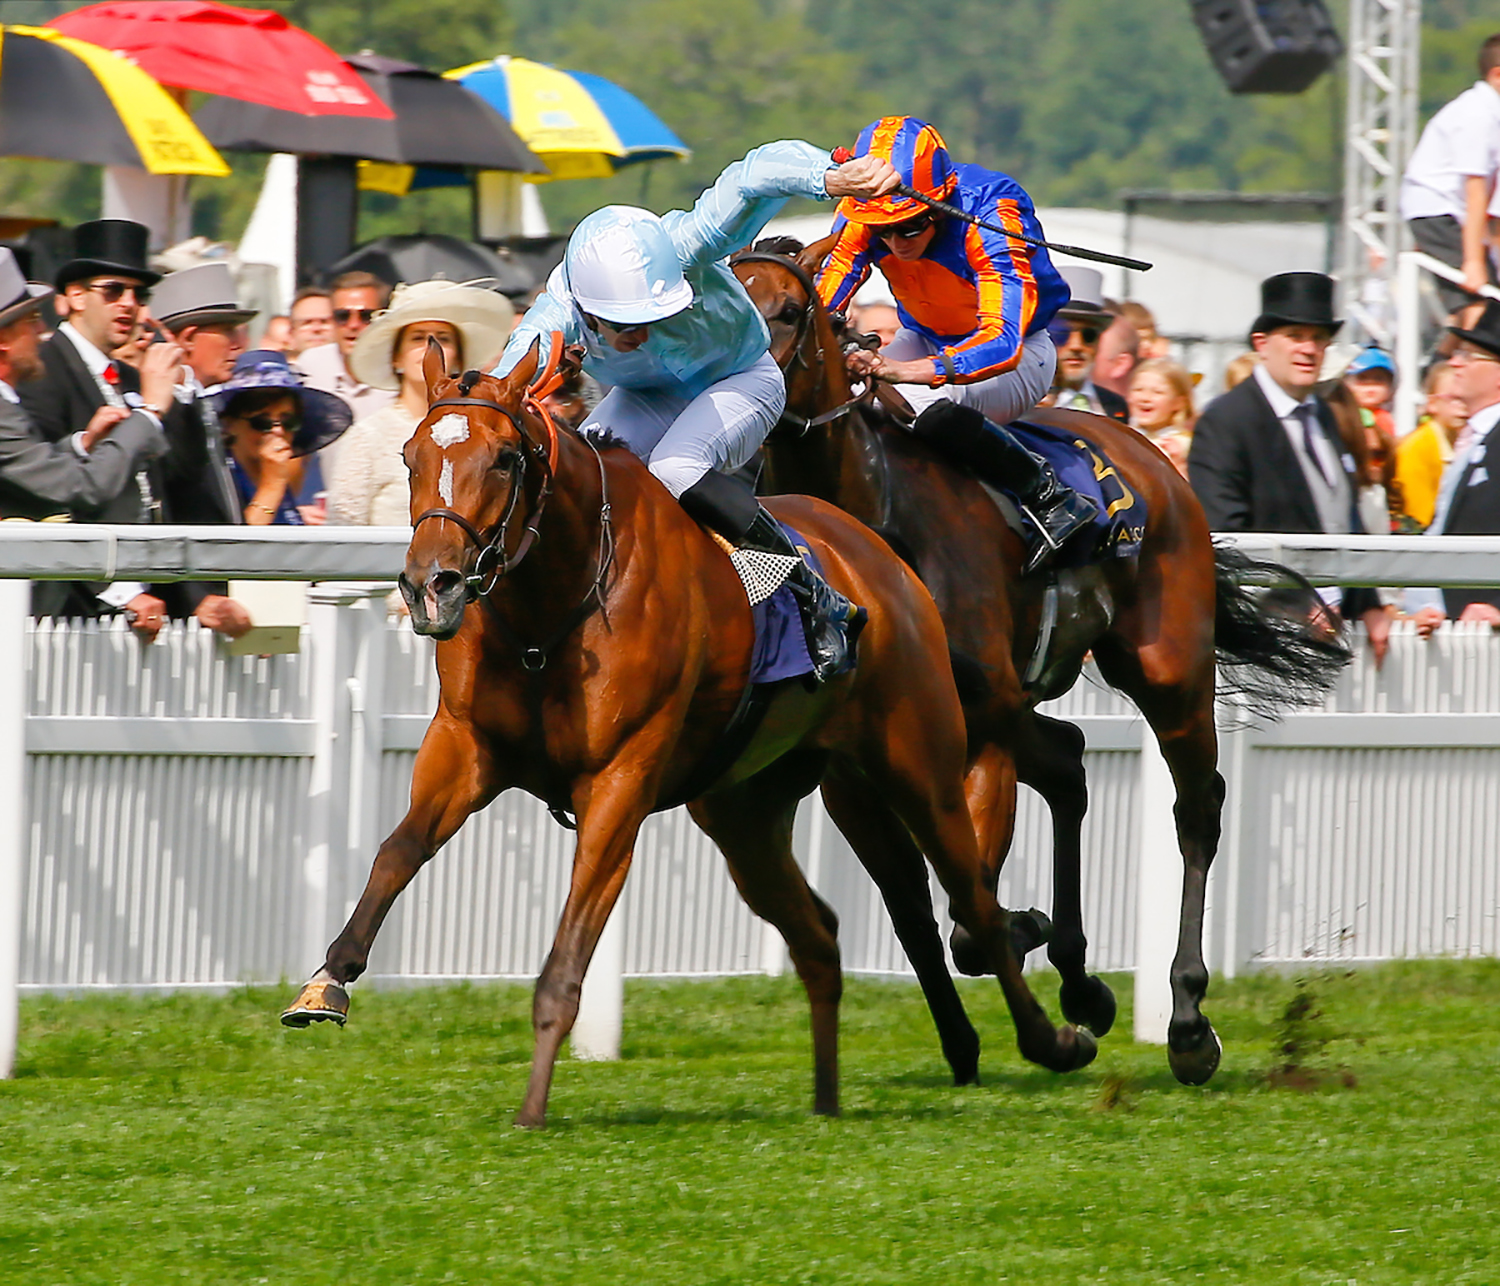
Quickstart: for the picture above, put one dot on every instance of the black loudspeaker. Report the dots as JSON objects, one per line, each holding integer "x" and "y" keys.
{"x": 1268, "y": 46}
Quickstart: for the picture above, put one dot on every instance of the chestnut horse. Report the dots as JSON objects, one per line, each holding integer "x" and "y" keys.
{"x": 595, "y": 642}
{"x": 1154, "y": 624}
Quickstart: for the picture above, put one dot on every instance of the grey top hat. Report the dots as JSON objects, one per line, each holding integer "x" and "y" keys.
{"x": 17, "y": 295}
{"x": 203, "y": 295}
{"x": 1087, "y": 303}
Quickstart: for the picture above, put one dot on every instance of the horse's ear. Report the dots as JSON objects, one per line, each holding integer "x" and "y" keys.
{"x": 524, "y": 371}
{"x": 434, "y": 367}
{"x": 811, "y": 258}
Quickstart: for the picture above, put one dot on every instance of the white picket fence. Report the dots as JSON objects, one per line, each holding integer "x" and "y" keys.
{"x": 197, "y": 820}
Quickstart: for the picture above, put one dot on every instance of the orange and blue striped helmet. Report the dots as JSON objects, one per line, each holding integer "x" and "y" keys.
{"x": 920, "y": 157}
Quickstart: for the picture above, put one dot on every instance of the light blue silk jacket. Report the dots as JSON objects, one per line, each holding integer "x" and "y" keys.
{"x": 722, "y": 333}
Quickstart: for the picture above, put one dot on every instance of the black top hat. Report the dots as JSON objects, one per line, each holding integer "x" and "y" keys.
{"x": 1486, "y": 332}
{"x": 1296, "y": 299}
{"x": 108, "y": 245}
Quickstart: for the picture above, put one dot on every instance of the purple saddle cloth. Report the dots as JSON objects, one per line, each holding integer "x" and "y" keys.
{"x": 780, "y": 643}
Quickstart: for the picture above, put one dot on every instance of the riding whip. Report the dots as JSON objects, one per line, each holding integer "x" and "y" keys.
{"x": 842, "y": 154}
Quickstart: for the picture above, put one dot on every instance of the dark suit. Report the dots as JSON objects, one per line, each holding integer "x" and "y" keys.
{"x": 59, "y": 403}
{"x": 196, "y": 487}
{"x": 1112, "y": 404}
{"x": 1249, "y": 478}
{"x": 1475, "y": 511}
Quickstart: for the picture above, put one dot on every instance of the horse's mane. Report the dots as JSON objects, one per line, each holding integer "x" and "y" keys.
{"x": 605, "y": 440}
{"x": 788, "y": 246}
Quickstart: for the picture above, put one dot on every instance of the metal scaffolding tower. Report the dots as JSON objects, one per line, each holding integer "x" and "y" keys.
{"x": 1380, "y": 132}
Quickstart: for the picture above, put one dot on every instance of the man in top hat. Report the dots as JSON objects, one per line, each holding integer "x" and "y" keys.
{"x": 1267, "y": 455}
{"x": 1468, "y": 502}
{"x": 41, "y": 479}
{"x": 200, "y": 307}
{"x": 973, "y": 349}
{"x": 106, "y": 286}
{"x": 1076, "y": 332}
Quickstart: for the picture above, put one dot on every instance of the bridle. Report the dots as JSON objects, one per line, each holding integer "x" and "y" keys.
{"x": 805, "y": 321}
{"x": 492, "y": 562}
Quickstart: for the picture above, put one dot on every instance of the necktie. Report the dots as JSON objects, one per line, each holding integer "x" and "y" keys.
{"x": 1308, "y": 416}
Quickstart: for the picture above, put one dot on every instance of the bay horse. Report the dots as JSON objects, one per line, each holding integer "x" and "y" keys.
{"x": 594, "y": 644}
{"x": 1155, "y": 624}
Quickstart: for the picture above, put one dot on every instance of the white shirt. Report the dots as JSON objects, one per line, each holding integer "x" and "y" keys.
{"x": 9, "y": 394}
{"x": 1460, "y": 142}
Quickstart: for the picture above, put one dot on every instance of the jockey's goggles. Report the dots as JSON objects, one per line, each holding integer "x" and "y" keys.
{"x": 913, "y": 227}
{"x": 621, "y": 328}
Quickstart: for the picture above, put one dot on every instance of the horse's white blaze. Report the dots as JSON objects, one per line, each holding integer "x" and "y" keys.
{"x": 445, "y": 481}
{"x": 450, "y": 431}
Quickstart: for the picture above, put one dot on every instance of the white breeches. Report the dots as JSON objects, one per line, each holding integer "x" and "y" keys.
{"x": 682, "y": 438}
{"x": 1001, "y": 398}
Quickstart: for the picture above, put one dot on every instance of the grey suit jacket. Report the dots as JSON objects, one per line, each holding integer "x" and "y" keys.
{"x": 39, "y": 478}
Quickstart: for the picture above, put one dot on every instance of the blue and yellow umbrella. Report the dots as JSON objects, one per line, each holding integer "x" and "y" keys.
{"x": 582, "y": 126}
{"x": 63, "y": 99}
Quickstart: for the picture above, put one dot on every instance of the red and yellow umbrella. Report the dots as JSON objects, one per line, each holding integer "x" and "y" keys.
{"x": 63, "y": 99}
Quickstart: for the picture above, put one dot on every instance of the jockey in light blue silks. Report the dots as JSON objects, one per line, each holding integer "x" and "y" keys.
{"x": 694, "y": 391}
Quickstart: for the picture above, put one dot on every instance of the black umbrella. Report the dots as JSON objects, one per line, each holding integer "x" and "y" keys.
{"x": 438, "y": 122}
{"x": 425, "y": 256}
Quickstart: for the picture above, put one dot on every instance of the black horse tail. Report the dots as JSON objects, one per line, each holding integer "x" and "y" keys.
{"x": 1272, "y": 654}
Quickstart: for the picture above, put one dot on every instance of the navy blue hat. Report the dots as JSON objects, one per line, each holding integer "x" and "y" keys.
{"x": 324, "y": 416}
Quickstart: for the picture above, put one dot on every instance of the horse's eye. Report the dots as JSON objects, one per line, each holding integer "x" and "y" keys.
{"x": 790, "y": 312}
{"x": 505, "y": 460}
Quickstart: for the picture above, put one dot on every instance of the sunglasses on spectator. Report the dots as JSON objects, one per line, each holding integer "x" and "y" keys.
{"x": 264, "y": 423}
{"x": 905, "y": 231}
{"x": 1463, "y": 356}
{"x": 345, "y": 315}
{"x": 1062, "y": 331}
{"x": 114, "y": 291}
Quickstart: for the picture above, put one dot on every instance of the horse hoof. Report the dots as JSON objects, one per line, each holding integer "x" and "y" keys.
{"x": 1090, "y": 1004}
{"x": 529, "y": 1121}
{"x": 1086, "y": 1048}
{"x": 318, "y": 1002}
{"x": 1194, "y": 1066}
{"x": 1028, "y": 931}
{"x": 968, "y": 956}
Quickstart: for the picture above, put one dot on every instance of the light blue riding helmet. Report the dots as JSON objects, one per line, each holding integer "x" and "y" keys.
{"x": 622, "y": 267}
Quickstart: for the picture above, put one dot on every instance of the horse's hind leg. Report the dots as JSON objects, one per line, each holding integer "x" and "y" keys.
{"x": 1176, "y": 694}
{"x": 451, "y": 779}
{"x": 1051, "y": 762}
{"x": 752, "y": 824}
{"x": 895, "y": 863}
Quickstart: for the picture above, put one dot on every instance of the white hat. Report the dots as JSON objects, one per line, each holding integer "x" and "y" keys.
{"x": 483, "y": 318}
{"x": 622, "y": 267}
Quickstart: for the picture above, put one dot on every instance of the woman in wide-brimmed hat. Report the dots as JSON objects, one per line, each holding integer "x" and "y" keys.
{"x": 270, "y": 423}
{"x": 470, "y": 324}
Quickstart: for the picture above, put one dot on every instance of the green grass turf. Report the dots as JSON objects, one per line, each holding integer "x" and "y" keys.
{"x": 191, "y": 1138}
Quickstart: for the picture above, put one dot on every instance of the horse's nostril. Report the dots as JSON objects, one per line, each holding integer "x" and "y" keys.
{"x": 445, "y": 582}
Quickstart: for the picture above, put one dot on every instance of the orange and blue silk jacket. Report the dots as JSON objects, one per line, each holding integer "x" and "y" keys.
{"x": 975, "y": 294}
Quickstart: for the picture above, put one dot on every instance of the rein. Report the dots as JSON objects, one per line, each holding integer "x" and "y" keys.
{"x": 804, "y": 324}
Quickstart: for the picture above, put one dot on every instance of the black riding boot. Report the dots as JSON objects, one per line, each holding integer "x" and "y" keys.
{"x": 830, "y": 621}
{"x": 1056, "y": 512}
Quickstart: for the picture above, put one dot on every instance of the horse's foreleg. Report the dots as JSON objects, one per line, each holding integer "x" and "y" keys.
{"x": 752, "y": 825}
{"x": 451, "y": 779}
{"x": 1051, "y": 762}
{"x": 910, "y": 781}
{"x": 990, "y": 788}
{"x": 895, "y": 863}
{"x": 607, "y": 827}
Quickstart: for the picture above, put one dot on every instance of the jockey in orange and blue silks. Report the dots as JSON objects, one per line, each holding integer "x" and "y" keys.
{"x": 973, "y": 350}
